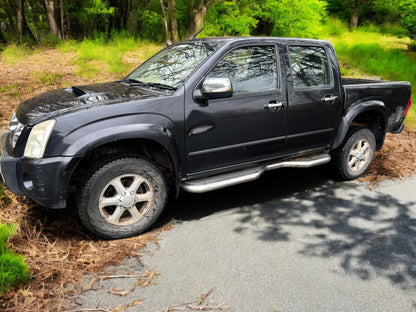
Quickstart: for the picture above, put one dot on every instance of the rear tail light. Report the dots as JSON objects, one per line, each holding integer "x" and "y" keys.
{"x": 408, "y": 107}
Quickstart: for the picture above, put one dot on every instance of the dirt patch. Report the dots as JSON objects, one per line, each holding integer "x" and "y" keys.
{"x": 396, "y": 159}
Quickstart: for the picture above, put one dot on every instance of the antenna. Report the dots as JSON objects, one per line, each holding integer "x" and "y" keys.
{"x": 197, "y": 33}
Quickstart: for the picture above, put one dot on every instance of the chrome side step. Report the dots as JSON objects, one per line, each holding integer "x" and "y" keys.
{"x": 250, "y": 174}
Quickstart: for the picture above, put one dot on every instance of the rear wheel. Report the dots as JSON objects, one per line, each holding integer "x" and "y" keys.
{"x": 355, "y": 154}
{"x": 122, "y": 197}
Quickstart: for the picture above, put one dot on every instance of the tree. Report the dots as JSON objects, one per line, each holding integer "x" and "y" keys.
{"x": 23, "y": 29}
{"x": 349, "y": 10}
{"x": 408, "y": 17}
{"x": 50, "y": 12}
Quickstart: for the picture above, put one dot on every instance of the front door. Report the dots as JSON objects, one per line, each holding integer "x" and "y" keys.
{"x": 247, "y": 127}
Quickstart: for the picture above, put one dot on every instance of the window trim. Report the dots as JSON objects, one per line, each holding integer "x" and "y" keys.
{"x": 274, "y": 45}
{"x": 331, "y": 73}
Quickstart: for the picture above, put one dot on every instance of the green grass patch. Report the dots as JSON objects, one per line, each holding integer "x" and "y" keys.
{"x": 92, "y": 54}
{"x": 13, "y": 269}
{"x": 375, "y": 54}
{"x": 46, "y": 77}
{"x": 13, "y": 53}
{"x": 8, "y": 88}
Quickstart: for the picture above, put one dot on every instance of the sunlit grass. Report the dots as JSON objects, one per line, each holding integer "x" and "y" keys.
{"x": 362, "y": 53}
{"x": 13, "y": 269}
{"x": 93, "y": 54}
{"x": 46, "y": 77}
{"x": 13, "y": 53}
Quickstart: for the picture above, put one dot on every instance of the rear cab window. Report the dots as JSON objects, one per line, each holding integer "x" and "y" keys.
{"x": 309, "y": 66}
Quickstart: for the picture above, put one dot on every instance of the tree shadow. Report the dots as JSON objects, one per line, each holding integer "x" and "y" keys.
{"x": 371, "y": 234}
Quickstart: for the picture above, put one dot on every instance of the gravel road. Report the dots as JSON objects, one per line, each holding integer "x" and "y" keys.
{"x": 294, "y": 240}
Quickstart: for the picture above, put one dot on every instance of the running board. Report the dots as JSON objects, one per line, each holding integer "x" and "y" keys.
{"x": 250, "y": 174}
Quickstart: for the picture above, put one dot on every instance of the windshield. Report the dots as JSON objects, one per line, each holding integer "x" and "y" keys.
{"x": 172, "y": 66}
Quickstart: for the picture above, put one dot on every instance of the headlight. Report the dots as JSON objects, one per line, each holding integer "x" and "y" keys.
{"x": 38, "y": 138}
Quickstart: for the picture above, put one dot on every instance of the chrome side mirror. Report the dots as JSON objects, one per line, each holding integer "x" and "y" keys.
{"x": 214, "y": 88}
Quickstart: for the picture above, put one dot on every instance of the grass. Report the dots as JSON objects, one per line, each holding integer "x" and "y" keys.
{"x": 13, "y": 269}
{"x": 381, "y": 55}
{"x": 13, "y": 53}
{"x": 94, "y": 55}
{"x": 46, "y": 77}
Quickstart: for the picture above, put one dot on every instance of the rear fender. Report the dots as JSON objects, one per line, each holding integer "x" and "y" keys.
{"x": 354, "y": 111}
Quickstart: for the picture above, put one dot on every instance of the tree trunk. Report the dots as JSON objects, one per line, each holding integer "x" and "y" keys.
{"x": 22, "y": 26}
{"x": 198, "y": 14}
{"x": 173, "y": 20}
{"x": 354, "y": 17}
{"x": 62, "y": 19}
{"x": 168, "y": 39}
{"x": 2, "y": 38}
{"x": 50, "y": 12}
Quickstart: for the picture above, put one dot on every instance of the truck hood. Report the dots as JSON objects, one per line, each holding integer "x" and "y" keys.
{"x": 49, "y": 104}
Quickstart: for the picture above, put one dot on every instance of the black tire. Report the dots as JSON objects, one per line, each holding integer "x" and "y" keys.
{"x": 355, "y": 154}
{"x": 122, "y": 197}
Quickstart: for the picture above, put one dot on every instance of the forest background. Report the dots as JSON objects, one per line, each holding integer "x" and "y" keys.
{"x": 47, "y": 21}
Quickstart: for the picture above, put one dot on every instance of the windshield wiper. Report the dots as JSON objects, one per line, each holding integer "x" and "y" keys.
{"x": 153, "y": 84}
{"x": 160, "y": 85}
{"x": 136, "y": 81}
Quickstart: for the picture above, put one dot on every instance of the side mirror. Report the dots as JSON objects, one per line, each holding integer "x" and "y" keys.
{"x": 214, "y": 88}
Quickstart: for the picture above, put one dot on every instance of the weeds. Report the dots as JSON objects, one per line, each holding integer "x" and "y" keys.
{"x": 13, "y": 53}
{"x": 384, "y": 56}
{"x": 46, "y": 77}
{"x": 93, "y": 55}
{"x": 13, "y": 269}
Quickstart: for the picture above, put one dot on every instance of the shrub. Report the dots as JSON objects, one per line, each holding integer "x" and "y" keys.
{"x": 13, "y": 269}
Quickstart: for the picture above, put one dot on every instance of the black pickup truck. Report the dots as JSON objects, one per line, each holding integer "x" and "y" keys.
{"x": 200, "y": 115}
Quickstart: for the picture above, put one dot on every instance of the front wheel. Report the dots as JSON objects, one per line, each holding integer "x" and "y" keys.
{"x": 355, "y": 154}
{"x": 122, "y": 197}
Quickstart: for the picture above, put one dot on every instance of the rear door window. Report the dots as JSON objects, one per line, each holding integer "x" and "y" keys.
{"x": 309, "y": 66}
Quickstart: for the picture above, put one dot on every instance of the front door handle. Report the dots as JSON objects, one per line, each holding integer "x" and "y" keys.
{"x": 274, "y": 105}
{"x": 329, "y": 98}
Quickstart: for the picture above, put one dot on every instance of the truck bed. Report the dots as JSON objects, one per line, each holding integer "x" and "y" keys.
{"x": 391, "y": 95}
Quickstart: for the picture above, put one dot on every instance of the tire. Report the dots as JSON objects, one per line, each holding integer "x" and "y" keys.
{"x": 122, "y": 197}
{"x": 355, "y": 154}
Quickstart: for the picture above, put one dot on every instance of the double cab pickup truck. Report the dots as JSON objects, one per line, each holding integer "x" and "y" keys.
{"x": 200, "y": 115}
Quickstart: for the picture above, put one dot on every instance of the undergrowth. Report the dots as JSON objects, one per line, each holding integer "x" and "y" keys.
{"x": 94, "y": 55}
{"x": 13, "y": 269}
{"x": 379, "y": 55}
{"x": 13, "y": 53}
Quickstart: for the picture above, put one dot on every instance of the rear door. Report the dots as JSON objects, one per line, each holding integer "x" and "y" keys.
{"x": 313, "y": 96}
{"x": 246, "y": 127}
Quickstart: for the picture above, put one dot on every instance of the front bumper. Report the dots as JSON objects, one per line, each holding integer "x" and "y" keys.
{"x": 43, "y": 180}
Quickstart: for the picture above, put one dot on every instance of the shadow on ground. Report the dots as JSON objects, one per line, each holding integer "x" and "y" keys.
{"x": 370, "y": 233}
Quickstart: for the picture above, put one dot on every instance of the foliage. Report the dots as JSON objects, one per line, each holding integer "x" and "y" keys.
{"x": 13, "y": 269}
{"x": 12, "y": 53}
{"x": 151, "y": 25}
{"x": 295, "y": 18}
{"x": 408, "y": 9}
{"x": 227, "y": 18}
{"x": 378, "y": 55}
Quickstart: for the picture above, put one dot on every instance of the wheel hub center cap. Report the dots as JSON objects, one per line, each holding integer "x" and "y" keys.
{"x": 128, "y": 201}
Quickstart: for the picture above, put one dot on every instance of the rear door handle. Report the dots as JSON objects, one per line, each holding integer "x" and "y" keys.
{"x": 329, "y": 98}
{"x": 274, "y": 105}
